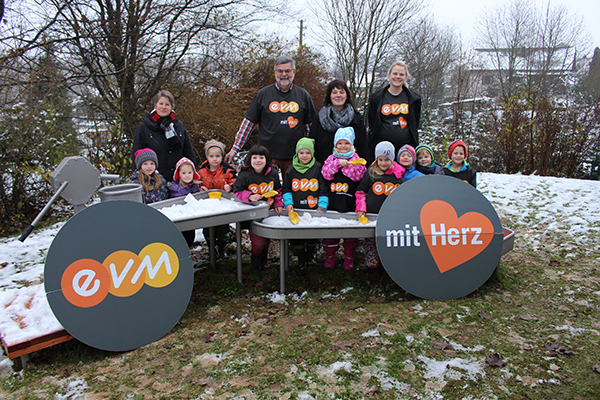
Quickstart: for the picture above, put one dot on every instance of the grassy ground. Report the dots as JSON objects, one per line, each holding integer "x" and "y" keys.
{"x": 531, "y": 332}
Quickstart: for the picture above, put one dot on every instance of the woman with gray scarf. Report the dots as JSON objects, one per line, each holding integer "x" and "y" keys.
{"x": 338, "y": 112}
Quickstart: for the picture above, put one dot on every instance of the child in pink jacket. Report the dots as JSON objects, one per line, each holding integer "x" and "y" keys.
{"x": 342, "y": 178}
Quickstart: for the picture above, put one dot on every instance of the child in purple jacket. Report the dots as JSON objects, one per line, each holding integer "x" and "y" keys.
{"x": 342, "y": 178}
{"x": 185, "y": 179}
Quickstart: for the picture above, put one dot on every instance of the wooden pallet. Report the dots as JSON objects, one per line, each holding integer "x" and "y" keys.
{"x": 39, "y": 343}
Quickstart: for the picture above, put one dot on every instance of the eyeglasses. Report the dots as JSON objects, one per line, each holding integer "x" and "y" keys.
{"x": 281, "y": 71}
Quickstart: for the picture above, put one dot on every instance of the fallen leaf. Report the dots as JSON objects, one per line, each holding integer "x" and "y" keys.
{"x": 554, "y": 349}
{"x": 209, "y": 337}
{"x": 597, "y": 368}
{"x": 441, "y": 345}
{"x": 527, "y": 317}
{"x": 483, "y": 315}
{"x": 494, "y": 360}
{"x": 241, "y": 333}
{"x": 371, "y": 390}
{"x": 554, "y": 367}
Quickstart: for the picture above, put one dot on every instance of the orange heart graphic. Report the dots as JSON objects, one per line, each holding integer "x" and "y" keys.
{"x": 402, "y": 122}
{"x": 453, "y": 241}
{"x": 312, "y": 201}
{"x": 292, "y": 122}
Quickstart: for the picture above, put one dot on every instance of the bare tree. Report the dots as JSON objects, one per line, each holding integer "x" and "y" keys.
{"x": 360, "y": 33}
{"x": 529, "y": 48}
{"x": 430, "y": 51}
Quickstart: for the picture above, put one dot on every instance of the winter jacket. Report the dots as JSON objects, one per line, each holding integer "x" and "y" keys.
{"x": 306, "y": 191}
{"x": 342, "y": 182}
{"x": 151, "y": 134}
{"x": 249, "y": 182}
{"x": 435, "y": 169}
{"x": 413, "y": 118}
{"x": 324, "y": 138}
{"x": 412, "y": 173}
{"x": 175, "y": 190}
{"x": 466, "y": 173}
{"x": 373, "y": 190}
{"x": 153, "y": 195}
{"x": 225, "y": 174}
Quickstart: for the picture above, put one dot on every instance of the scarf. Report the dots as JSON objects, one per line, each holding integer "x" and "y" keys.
{"x": 343, "y": 155}
{"x": 331, "y": 119}
{"x": 302, "y": 168}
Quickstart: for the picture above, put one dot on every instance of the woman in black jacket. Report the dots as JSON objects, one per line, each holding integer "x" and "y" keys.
{"x": 338, "y": 112}
{"x": 394, "y": 111}
{"x": 162, "y": 132}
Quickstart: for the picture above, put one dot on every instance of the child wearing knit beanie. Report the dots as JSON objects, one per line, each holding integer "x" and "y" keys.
{"x": 217, "y": 174}
{"x": 343, "y": 177}
{"x": 383, "y": 177}
{"x": 148, "y": 176}
{"x": 426, "y": 161}
{"x": 407, "y": 157}
{"x": 458, "y": 167}
{"x": 305, "y": 188}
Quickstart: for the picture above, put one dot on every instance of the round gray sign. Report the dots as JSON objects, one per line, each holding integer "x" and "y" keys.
{"x": 438, "y": 237}
{"x": 118, "y": 275}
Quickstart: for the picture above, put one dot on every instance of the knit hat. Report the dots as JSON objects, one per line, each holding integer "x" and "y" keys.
{"x": 385, "y": 149}
{"x": 145, "y": 154}
{"x": 306, "y": 143}
{"x": 453, "y": 146}
{"x": 344, "y": 133}
{"x": 425, "y": 147}
{"x": 185, "y": 160}
{"x": 214, "y": 143}
{"x": 410, "y": 149}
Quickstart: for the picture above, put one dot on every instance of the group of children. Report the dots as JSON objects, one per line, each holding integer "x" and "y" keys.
{"x": 343, "y": 184}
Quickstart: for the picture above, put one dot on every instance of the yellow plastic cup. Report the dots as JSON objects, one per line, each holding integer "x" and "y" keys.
{"x": 215, "y": 195}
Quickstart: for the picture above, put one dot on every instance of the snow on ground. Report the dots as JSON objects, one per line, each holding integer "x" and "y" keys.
{"x": 540, "y": 207}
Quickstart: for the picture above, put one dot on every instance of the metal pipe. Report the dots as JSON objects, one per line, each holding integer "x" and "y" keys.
{"x": 44, "y": 211}
{"x": 109, "y": 177}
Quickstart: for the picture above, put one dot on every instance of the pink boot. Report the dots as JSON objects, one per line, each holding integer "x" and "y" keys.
{"x": 330, "y": 246}
{"x": 348, "y": 263}
{"x": 350, "y": 246}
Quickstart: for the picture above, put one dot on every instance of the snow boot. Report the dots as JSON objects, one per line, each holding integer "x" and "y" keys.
{"x": 255, "y": 261}
{"x": 350, "y": 246}
{"x": 330, "y": 249}
{"x": 263, "y": 259}
{"x": 301, "y": 254}
{"x": 310, "y": 253}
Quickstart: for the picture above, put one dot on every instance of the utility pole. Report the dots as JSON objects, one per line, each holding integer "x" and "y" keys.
{"x": 301, "y": 33}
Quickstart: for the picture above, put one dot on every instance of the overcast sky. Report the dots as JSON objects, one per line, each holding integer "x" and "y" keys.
{"x": 463, "y": 14}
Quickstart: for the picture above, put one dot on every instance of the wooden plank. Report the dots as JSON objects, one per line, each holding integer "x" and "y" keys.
{"x": 36, "y": 344}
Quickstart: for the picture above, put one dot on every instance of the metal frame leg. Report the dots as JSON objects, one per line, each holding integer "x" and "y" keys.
{"x": 283, "y": 263}
{"x": 238, "y": 249}
{"x": 211, "y": 249}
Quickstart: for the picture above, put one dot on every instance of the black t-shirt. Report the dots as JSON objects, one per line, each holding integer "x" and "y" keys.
{"x": 281, "y": 118}
{"x": 305, "y": 188}
{"x": 394, "y": 124}
{"x": 378, "y": 189}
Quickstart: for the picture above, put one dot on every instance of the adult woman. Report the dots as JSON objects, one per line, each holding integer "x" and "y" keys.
{"x": 162, "y": 132}
{"x": 394, "y": 111}
{"x": 338, "y": 112}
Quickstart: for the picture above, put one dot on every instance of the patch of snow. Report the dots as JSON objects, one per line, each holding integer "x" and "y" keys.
{"x": 437, "y": 369}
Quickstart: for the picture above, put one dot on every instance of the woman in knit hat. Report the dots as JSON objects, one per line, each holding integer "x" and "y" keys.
{"x": 407, "y": 157}
{"x": 343, "y": 179}
{"x": 146, "y": 174}
{"x": 458, "y": 167}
